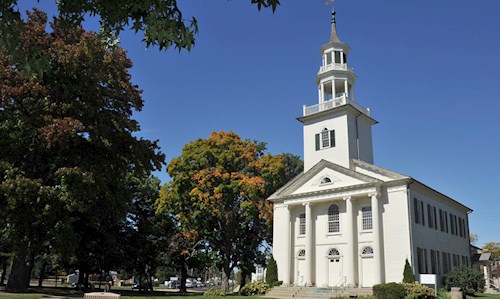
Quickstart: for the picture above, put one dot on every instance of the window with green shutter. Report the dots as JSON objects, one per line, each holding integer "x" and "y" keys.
{"x": 325, "y": 139}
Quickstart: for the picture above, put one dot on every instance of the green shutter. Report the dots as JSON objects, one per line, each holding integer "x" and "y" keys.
{"x": 332, "y": 138}
{"x": 317, "y": 142}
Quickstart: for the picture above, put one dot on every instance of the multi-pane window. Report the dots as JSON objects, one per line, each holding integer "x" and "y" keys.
{"x": 302, "y": 224}
{"x": 367, "y": 250}
{"x": 333, "y": 219}
{"x": 367, "y": 220}
{"x": 435, "y": 217}
{"x": 325, "y": 139}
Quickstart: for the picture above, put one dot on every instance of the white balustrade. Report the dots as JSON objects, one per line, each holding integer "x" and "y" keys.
{"x": 333, "y": 103}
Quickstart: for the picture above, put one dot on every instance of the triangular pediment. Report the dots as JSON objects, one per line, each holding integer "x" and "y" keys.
{"x": 321, "y": 177}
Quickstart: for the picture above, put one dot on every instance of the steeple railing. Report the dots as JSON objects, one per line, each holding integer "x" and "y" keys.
{"x": 334, "y": 66}
{"x": 334, "y": 103}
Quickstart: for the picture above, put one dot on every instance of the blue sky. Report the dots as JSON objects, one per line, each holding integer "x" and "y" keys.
{"x": 429, "y": 71}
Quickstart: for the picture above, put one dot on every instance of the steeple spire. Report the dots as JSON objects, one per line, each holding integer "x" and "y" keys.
{"x": 334, "y": 37}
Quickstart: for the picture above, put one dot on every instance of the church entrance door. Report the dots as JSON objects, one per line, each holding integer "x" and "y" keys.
{"x": 301, "y": 269}
{"x": 367, "y": 270}
{"x": 335, "y": 271}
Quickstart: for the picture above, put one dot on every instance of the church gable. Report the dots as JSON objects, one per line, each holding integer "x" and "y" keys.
{"x": 323, "y": 176}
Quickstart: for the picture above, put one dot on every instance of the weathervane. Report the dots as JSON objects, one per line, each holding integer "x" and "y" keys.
{"x": 327, "y": 2}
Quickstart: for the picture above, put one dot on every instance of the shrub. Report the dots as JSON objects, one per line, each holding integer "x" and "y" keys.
{"x": 214, "y": 293}
{"x": 271, "y": 271}
{"x": 418, "y": 291}
{"x": 443, "y": 294}
{"x": 254, "y": 288}
{"x": 465, "y": 278}
{"x": 277, "y": 283}
{"x": 408, "y": 276}
{"x": 389, "y": 290}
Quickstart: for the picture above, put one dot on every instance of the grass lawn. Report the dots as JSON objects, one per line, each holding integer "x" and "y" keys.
{"x": 66, "y": 292}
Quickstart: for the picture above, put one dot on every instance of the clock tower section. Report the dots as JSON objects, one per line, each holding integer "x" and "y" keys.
{"x": 337, "y": 129}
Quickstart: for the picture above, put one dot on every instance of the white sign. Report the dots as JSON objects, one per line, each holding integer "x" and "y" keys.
{"x": 428, "y": 279}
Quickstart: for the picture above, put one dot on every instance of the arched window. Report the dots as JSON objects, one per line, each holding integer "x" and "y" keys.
{"x": 302, "y": 253}
{"x": 367, "y": 250}
{"x": 333, "y": 252}
{"x": 325, "y": 180}
{"x": 333, "y": 219}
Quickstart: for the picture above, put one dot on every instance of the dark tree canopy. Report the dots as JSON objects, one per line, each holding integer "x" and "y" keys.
{"x": 161, "y": 21}
{"x": 67, "y": 144}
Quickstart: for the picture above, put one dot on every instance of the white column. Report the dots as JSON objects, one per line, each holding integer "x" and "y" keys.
{"x": 309, "y": 246}
{"x": 346, "y": 88}
{"x": 319, "y": 94}
{"x": 333, "y": 88}
{"x": 377, "y": 249}
{"x": 342, "y": 57}
{"x": 288, "y": 245}
{"x": 322, "y": 92}
{"x": 350, "y": 255}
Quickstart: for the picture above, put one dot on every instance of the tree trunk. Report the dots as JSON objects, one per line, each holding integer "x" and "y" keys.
{"x": 4, "y": 270}
{"x": 42, "y": 274}
{"x": 19, "y": 275}
{"x": 226, "y": 272}
{"x": 183, "y": 288}
{"x": 244, "y": 276}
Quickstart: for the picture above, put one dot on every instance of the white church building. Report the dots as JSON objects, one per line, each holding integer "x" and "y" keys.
{"x": 347, "y": 222}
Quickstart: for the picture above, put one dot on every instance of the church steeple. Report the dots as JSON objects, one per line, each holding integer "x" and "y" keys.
{"x": 337, "y": 129}
{"x": 334, "y": 36}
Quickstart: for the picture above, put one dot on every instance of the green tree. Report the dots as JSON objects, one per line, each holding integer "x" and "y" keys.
{"x": 146, "y": 234}
{"x": 271, "y": 271}
{"x": 493, "y": 248}
{"x": 465, "y": 278}
{"x": 67, "y": 145}
{"x": 161, "y": 22}
{"x": 218, "y": 189}
{"x": 408, "y": 276}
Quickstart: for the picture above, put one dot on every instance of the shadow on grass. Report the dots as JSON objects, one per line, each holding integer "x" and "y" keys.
{"x": 70, "y": 292}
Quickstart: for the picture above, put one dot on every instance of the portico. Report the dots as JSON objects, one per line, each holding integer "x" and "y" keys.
{"x": 313, "y": 225}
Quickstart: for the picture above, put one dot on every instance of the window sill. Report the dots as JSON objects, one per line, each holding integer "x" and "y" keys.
{"x": 334, "y": 234}
{"x": 368, "y": 231}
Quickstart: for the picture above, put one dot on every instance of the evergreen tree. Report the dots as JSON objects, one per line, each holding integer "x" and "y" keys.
{"x": 271, "y": 271}
{"x": 408, "y": 276}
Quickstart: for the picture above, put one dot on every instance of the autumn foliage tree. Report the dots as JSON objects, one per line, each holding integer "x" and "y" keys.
{"x": 67, "y": 144}
{"x": 219, "y": 188}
